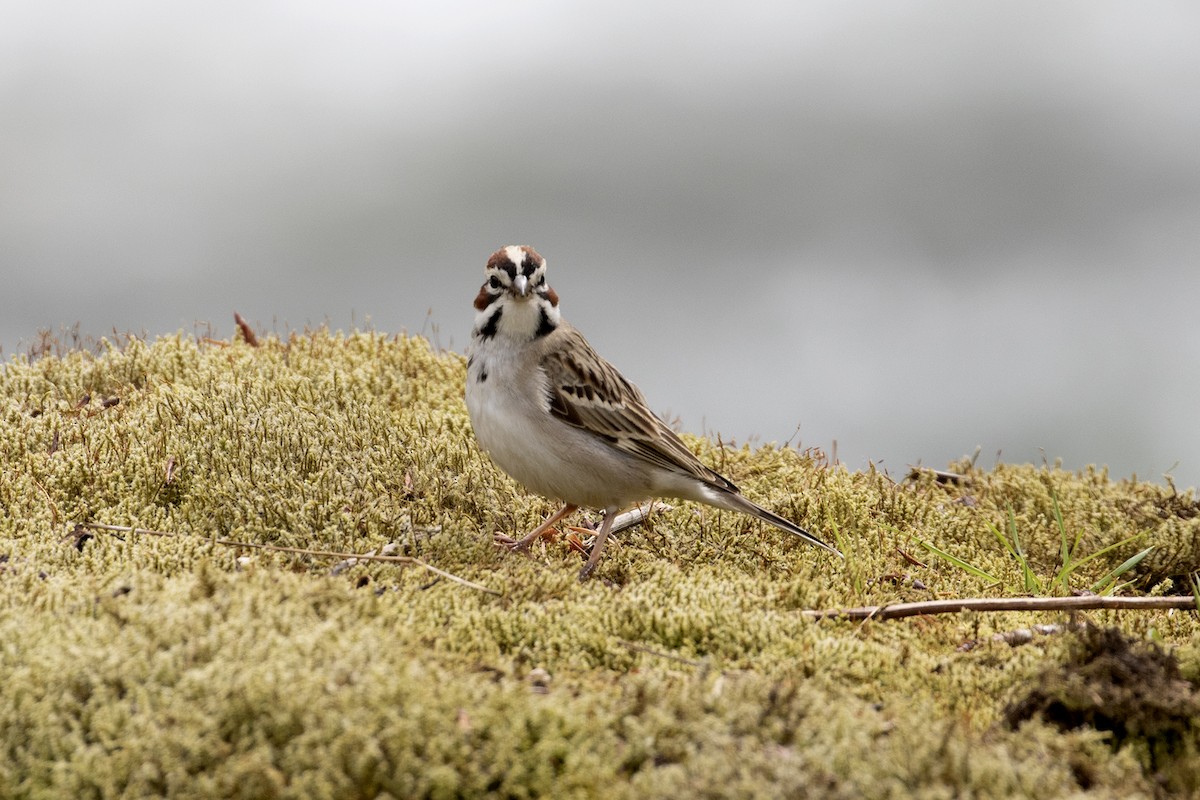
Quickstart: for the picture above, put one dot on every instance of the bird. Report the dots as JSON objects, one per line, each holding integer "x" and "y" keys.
{"x": 565, "y": 423}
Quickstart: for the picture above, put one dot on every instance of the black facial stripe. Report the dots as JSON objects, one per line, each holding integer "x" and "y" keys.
{"x": 489, "y": 328}
{"x": 510, "y": 268}
{"x": 529, "y": 268}
{"x": 545, "y": 326}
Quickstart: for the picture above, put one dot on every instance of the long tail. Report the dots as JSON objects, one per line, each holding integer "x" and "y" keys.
{"x": 736, "y": 502}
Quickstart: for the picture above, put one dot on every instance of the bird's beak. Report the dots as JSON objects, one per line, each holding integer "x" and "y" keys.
{"x": 521, "y": 284}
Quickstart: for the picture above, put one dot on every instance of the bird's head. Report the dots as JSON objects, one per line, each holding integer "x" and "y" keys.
{"x": 516, "y": 270}
{"x": 515, "y": 295}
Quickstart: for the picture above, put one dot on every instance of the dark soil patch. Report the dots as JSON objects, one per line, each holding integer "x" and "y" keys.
{"x": 1130, "y": 689}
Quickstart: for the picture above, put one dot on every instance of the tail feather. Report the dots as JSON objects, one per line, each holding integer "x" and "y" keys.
{"x": 736, "y": 502}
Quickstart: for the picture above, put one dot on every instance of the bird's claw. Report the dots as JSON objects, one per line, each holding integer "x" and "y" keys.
{"x": 509, "y": 543}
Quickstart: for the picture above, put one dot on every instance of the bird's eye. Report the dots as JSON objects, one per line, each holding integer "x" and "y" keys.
{"x": 541, "y": 280}
{"x": 494, "y": 282}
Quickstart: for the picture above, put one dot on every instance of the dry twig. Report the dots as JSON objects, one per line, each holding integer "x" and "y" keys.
{"x": 247, "y": 331}
{"x": 641, "y": 648}
{"x": 1083, "y": 603}
{"x": 97, "y": 526}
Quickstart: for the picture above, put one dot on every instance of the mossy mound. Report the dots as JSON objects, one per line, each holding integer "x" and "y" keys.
{"x": 139, "y": 665}
{"x": 1133, "y": 691}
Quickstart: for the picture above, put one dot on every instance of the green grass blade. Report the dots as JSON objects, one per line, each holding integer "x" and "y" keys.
{"x": 1032, "y": 584}
{"x": 1062, "y": 577}
{"x": 999, "y": 534}
{"x": 1111, "y": 547}
{"x": 958, "y": 562}
{"x": 1065, "y": 551}
{"x": 1099, "y": 586}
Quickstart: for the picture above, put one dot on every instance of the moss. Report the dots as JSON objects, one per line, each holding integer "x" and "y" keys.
{"x": 1132, "y": 691}
{"x": 136, "y": 665}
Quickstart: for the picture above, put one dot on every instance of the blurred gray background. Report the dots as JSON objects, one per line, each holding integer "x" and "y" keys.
{"x": 914, "y": 228}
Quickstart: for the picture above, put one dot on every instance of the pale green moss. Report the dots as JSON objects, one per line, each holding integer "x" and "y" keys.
{"x": 140, "y": 666}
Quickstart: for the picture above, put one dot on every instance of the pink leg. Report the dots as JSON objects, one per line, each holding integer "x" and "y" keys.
{"x": 610, "y": 514}
{"x": 537, "y": 532}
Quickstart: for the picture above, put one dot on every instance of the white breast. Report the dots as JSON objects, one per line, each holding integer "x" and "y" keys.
{"x": 507, "y": 399}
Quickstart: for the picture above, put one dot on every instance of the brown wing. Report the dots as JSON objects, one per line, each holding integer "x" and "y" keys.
{"x": 588, "y": 392}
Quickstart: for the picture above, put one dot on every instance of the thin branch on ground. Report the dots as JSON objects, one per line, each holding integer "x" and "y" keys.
{"x": 641, "y": 648}
{"x": 1082, "y": 603}
{"x": 97, "y": 526}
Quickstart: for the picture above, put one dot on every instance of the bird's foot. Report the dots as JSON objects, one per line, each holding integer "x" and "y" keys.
{"x": 509, "y": 543}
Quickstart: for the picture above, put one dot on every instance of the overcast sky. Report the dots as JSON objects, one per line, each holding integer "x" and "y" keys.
{"x": 913, "y": 228}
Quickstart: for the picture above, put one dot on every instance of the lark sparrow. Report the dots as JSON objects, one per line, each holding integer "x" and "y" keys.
{"x": 564, "y": 422}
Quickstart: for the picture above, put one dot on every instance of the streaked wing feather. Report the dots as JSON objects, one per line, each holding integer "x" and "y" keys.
{"x": 588, "y": 392}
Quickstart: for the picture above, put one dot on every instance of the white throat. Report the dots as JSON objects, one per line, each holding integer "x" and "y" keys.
{"x": 518, "y": 320}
